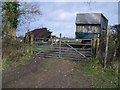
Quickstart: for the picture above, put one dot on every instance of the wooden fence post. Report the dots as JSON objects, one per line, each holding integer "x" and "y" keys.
{"x": 51, "y": 40}
{"x": 106, "y": 49}
{"x": 60, "y": 45}
{"x": 31, "y": 46}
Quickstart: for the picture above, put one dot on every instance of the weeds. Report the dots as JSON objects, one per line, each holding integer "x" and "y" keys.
{"x": 100, "y": 77}
{"x": 14, "y": 54}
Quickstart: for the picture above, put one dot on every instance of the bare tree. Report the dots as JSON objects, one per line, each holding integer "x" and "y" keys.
{"x": 29, "y": 11}
{"x": 17, "y": 13}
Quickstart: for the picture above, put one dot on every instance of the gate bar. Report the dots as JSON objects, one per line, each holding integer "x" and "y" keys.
{"x": 75, "y": 50}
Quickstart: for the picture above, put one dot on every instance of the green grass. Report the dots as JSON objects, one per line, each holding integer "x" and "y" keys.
{"x": 42, "y": 48}
{"x": 99, "y": 77}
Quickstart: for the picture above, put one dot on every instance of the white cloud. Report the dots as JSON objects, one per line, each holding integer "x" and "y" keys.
{"x": 67, "y": 0}
{"x": 65, "y": 16}
{"x": 60, "y": 17}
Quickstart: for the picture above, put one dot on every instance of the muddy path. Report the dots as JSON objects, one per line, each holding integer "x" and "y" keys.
{"x": 46, "y": 73}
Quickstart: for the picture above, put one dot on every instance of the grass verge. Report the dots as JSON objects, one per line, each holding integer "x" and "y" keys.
{"x": 99, "y": 77}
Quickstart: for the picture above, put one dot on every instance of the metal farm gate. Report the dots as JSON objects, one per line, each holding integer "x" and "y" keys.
{"x": 70, "y": 49}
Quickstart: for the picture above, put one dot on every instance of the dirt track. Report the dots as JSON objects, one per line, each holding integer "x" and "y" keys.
{"x": 46, "y": 73}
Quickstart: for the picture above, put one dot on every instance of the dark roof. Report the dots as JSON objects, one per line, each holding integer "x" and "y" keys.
{"x": 89, "y": 18}
{"x": 41, "y": 33}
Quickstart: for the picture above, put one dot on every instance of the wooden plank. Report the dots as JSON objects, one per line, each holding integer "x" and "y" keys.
{"x": 47, "y": 55}
{"x": 75, "y": 50}
{"x": 65, "y": 55}
{"x": 74, "y": 39}
{"x": 82, "y": 49}
{"x": 67, "y": 50}
{"x": 80, "y": 44}
{"x": 74, "y": 44}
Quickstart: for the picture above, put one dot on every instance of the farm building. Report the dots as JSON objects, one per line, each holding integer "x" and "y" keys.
{"x": 38, "y": 33}
{"x": 41, "y": 33}
{"x": 91, "y": 26}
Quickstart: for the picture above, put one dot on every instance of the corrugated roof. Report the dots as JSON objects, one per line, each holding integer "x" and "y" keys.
{"x": 88, "y": 18}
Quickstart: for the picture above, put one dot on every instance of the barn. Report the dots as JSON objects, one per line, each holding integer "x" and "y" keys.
{"x": 41, "y": 33}
{"x": 91, "y": 26}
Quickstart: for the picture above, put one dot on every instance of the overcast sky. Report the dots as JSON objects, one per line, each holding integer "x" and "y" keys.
{"x": 60, "y": 17}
